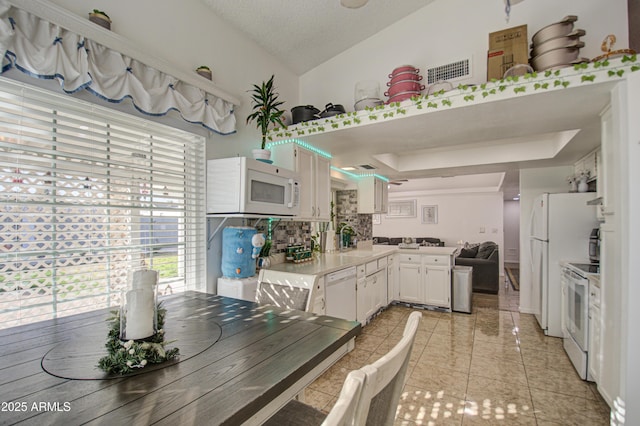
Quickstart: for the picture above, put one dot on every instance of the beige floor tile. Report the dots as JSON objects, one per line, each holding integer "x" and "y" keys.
{"x": 369, "y": 342}
{"x": 456, "y": 342}
{"x": 503, "y": 371}
{"x": 541, "y": 342}
{"x": 568, "y": 410}
{"x": 500, "y": 352}
{"x": 489, "y": 399}
{"x": 447, "y": 327}
{"x": 547, "y": 360}
{"x": 422, "y": 407}
{"x": 559, "y": 381}
{"x": 458, "y": 361}
{"x": 437, "y": 379}
{"x": 318, "y": 399}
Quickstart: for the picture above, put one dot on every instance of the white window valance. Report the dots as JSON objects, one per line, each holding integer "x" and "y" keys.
{"x": 44, "y": 50}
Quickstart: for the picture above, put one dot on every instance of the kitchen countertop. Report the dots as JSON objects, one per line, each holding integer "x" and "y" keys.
{"x": 326, "y": 263}
{"x": 587, "y": 274}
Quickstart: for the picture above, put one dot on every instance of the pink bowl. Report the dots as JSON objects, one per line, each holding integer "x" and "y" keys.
{"x": 402, "y": 96}
{"x": 404, "y": 68}
{"x": 404, "y": 86}
{"x": 404, "y": 76}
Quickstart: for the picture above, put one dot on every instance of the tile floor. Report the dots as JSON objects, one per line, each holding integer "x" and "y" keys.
{"x": 493, "y": 366}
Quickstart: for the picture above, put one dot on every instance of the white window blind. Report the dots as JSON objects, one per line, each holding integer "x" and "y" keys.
{"x": 86, "y": 195}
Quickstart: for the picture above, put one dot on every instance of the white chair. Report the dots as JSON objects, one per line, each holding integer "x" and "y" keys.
{"x": 282, "y": 296}
{"x": 286, "y": 290}
{"x": 377, "y": 402}
{"x": 342, "y": 413}
{"x": 385, "y": 380}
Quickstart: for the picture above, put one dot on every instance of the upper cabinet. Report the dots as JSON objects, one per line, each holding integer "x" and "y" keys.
{"x": 314, "y": 171}
{"x": 588, "y": 164}
{"x": 373, "y": 195}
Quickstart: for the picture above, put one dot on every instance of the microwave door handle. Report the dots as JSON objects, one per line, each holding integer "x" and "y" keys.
{"x": 291, "y": 193}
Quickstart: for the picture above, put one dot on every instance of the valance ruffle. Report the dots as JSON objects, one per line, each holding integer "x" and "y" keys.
{"x": 44, "y": 50}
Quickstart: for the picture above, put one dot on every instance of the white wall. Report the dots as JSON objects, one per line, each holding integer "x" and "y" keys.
{"x": 512, "y": 231}
{"x": 451, "y": 30}
{"x": 460, "y": 217}
{"x": 534, "y": 182}
{"x": 188, "y": 34}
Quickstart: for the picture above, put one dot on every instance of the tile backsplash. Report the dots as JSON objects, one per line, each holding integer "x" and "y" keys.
{"x": 346, "y": 210}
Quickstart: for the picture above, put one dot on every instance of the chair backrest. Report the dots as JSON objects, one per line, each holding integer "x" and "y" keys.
{"x": 282, "y": 296}
{"x": 286, "y": 289}
{"x": 385, "y": 380}
{"x": 344, "y": 410}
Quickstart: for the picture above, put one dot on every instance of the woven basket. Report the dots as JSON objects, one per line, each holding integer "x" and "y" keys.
{"x": 101, "y": 20}
{"x": 205, "y": 73}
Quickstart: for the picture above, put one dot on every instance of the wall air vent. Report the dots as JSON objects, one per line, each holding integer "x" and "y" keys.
{"x": 449, "y": 72}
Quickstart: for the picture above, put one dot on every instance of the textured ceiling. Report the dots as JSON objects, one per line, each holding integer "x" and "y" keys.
{"x": 305, "y": 33}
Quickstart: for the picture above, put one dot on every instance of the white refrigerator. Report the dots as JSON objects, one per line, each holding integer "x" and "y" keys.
{"x": 560, "y": 227}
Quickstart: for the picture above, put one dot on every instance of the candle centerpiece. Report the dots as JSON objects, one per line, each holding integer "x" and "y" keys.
{"x": 138, "y": 316}
{"x": 136, "y": 335}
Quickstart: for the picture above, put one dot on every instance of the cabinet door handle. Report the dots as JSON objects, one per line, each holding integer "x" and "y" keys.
{"x": 313, "y": 211}
{"x": 318, "y": 211}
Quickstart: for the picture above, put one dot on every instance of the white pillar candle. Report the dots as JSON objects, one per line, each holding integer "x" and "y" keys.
{"x": 141, "y": 305}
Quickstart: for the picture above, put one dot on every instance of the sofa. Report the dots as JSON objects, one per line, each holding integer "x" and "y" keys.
{"x": 485, "y": 261}
{"x": 423, "y": 241}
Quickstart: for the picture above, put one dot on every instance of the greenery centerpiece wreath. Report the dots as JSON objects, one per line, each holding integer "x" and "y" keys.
{"x": 126, "y": 356}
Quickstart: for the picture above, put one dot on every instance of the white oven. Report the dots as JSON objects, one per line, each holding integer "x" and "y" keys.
{"x": 576, "y": 318}
{"x": 241, "y": 185}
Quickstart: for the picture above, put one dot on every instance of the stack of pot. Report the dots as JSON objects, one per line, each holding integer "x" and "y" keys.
{"x": 404, "y": 83}
{"x": 557, "y": 45}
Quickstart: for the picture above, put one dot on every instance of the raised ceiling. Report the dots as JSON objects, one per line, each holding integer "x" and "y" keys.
{"x": 305, "y": 33}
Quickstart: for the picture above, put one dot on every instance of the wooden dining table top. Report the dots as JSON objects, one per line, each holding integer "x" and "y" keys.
{"x": 252, "y": 354}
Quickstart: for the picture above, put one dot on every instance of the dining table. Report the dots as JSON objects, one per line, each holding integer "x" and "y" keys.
{"x": 239, "y": 362}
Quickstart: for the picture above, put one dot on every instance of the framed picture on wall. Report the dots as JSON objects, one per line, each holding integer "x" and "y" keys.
{"x": 430, "y": 215}
{"x": 401, "y": 208}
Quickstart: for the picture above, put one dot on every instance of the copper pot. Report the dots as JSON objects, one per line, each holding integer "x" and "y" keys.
{"x": 408, "y": 75}
{"x": 404, "y": 86}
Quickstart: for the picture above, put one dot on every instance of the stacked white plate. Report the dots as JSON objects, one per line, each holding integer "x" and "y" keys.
{"x": 404, "y": 83}
{"x": 557, "y": 45}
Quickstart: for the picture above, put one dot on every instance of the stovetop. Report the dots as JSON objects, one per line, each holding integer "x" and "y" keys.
{"x": 591, "y": 268}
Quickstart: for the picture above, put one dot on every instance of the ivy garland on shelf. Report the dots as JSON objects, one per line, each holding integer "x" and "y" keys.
{"x": 125, "y": 357}
{"x": 543, "y": 80}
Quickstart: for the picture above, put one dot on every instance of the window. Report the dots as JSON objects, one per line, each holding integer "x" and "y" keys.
{"x": 88, "y": 194}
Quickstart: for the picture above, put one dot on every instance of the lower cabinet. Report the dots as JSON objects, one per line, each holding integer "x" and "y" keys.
{"x": 425, "y": 279}
{"x": 410, "y": 279}
{"x": 371, "y": 293}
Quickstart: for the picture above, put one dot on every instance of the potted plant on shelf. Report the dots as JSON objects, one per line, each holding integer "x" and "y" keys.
{"x": 204, "y": 71}
{"x": 266, "y": 111}
{"x": 99, "y": 17}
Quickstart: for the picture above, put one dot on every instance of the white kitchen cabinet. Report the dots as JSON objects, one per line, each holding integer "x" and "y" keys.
{"x": 607, "y": 182}
{"x": 610, "y": 311}
{"x": 392, "y": 283}
{"x": 594, "y": 357}
{"x": 437, "y": 284}
{"x": 371, "y": 289}
{"x": 314, "y": 171}
{"x": 589, "y": 164}
{"x": 373, "y": 195}
{"x": 410, "y": 279}
{"x": 319, "y": 301}
{"x": 425, "y": 279}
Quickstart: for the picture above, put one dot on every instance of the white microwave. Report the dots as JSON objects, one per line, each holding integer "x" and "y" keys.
{"x": 241, "y": 185}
